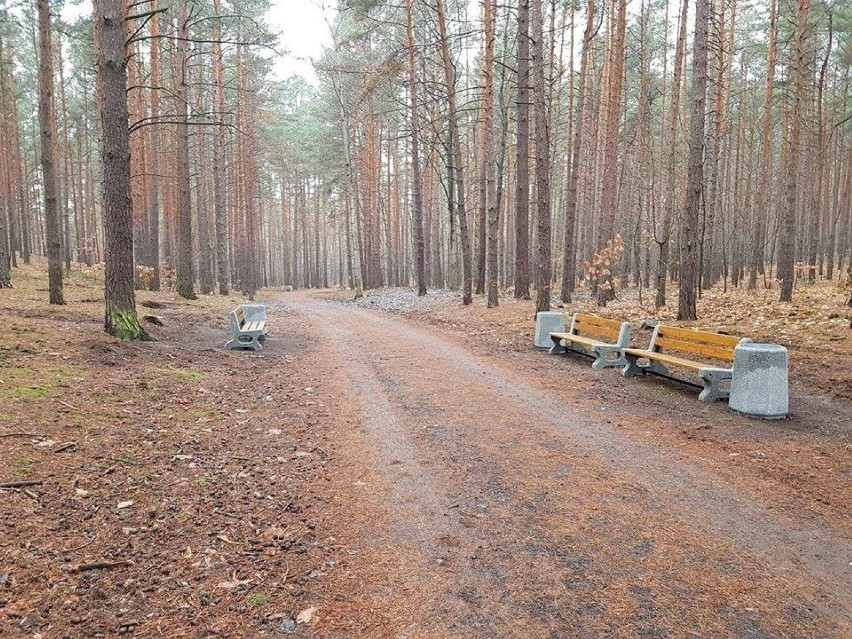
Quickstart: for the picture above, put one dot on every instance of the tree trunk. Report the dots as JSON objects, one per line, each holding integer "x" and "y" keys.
{"x": 522, "y": 188}
{"x": 456, "y": 165}
{"x": 569, "y": 248}
{"x": 419, "y": 246}
{"x": 787, "y": 230}
{"x": 687, "y": 303}
{"x": 111, "y": 63}
{"x": 46, "y": 118}
{"x": 542, "y": 167}
{"x": 185, "y": 282}
{"x": 153, "y": 235}
{"x": 609, "y": 199}
{"x": 488, "y": 159}
{"x": 764, "y": 188}
{"x": 220, "y": 211}
{"x": 5, "y": 253}
{"x": 664, "y": 242}
{"x": 67, "y": 182}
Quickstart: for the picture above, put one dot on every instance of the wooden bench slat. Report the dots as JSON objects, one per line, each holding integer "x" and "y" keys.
{"x": 594, "y": 320}
{"x": 571, "y": 337}
{"x": 696, "y": 348}
{"x": 598, "y": 332}
{"x": 665, "y": 358}
{"x": 690, "y": 335}
{"x": 597, "y": 324}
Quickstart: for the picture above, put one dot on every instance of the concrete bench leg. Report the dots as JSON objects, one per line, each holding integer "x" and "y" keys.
{"x": 656, "y": 367}
{"x": 631, "y": 368}
{"x": 558, "y": 347}
{"x": 244, "y": 341}
{"x": 603, "y": 359}
{"x": 711, "y": 378}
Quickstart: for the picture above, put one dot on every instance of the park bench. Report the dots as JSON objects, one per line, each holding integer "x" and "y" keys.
{"x": 245, "y": 332}
{"x": 692, "y": 343}
{"x": 601, "y": 338}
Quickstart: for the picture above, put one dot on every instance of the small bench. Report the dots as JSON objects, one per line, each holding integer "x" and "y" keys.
{"x": 245, "y": 333}
{"x": 608, "y": 338}
{"x": 690, "y": 342}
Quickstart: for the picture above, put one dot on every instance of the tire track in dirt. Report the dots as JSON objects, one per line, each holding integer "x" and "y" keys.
{"x": 411, "y": 495}
{"x": 552, "y": 489}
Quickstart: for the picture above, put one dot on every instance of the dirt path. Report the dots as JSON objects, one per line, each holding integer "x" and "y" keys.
{"x": 484, "y": 506}
{"x": 376, "y": 477}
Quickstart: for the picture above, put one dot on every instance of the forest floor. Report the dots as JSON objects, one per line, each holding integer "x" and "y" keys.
{"x": 396, "y": 467}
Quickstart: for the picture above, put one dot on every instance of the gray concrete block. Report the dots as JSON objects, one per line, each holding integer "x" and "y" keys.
{"x": 548, "y": 322}
{"x": 256, "y": 313}
{"x": 759, "y": 384}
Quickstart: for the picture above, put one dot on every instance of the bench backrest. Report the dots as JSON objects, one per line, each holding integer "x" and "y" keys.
{"x": 254, "y": 312}
{"x": 686, "y": 340}
{"x": 237, "y": 319}
{"x": 596, "y": 326}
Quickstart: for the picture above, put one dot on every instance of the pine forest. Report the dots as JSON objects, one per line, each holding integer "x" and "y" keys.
{"x": 538, "y": 149}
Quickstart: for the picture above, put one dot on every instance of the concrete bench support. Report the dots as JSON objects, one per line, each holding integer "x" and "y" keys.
{"x": 759, "y": 385}
{"x": 547, "y": 322}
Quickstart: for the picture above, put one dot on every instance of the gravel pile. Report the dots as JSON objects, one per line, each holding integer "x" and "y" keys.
{"x": 399, "y": 299}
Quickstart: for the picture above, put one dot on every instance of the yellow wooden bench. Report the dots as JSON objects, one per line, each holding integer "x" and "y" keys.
{"x": 601, "y": 338}
{"x": 685, "y": 341}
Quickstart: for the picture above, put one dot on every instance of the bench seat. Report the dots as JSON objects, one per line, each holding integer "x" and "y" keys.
{"x": 665, "y": 358}
{"x": 577, "y": 339}
{"x": 254, "y": 326}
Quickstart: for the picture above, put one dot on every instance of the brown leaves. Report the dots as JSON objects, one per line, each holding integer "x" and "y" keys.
{"x": 598, "y": 272}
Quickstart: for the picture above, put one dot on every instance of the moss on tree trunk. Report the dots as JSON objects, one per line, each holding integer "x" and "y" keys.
{"x": 125, "y": 325}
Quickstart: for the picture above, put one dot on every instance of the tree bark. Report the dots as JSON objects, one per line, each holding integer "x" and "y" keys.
{"x": 46, "y": 118}
{"x": 764, "y": 198}
{"x": 419, "y": 246}
{"x": 185, "y": 280}
{"x": 488, "y": 158}
{"x": 609, "y": 199}
{"x": 687, "y": 302}
{"x": 153, "y": 236}
{"x": 787, "y": 230}
{"x": 522, "y": 184}
{"x": 111, "y": 65}
{"x": 542, "y": 168}
{"x": 569, "y": 248}
{"x": 456, "y": 164}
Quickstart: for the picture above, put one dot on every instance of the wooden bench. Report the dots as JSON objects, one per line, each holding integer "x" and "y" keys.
{"x": 601, "y": 338}
{"x": 245, "y": 333}
{"x": 689, "y": 342}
